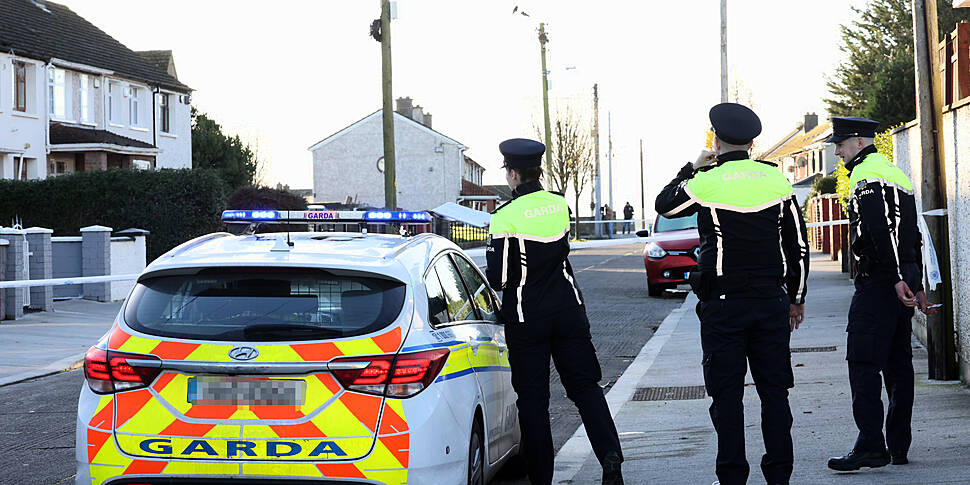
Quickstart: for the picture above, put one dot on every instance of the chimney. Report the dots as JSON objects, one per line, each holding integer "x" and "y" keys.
{"x": 811, "y": 122}
{"x": 427, "y": 120}
{"x": 404, "y": 106}
{"x": 417, "y": 114}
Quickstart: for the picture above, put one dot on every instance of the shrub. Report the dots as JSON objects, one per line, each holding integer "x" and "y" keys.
{"x": 175, "y": 205}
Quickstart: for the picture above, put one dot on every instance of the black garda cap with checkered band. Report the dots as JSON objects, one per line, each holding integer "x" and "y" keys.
{"x": 845, "y": 128}
{"x": 734, "y": 123}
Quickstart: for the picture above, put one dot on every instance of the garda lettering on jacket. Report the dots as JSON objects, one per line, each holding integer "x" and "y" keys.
{"x": 730, "y": 177}
{"x": 542, "y": 211}
{"x": 241, "y": 448}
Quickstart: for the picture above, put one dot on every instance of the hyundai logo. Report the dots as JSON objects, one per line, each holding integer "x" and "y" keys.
{"x": 243, "y": 353}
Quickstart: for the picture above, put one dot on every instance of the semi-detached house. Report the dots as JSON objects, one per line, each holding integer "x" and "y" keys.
{"x": 73, "y": 99}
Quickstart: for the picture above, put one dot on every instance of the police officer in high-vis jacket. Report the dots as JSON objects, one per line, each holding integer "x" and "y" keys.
{"x": 887, "y": 250}
{"x": 544, "y": 315}
{"x": 751, "y": 282}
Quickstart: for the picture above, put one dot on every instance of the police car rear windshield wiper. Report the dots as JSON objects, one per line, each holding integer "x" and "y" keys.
{"x": 289, "y": 329}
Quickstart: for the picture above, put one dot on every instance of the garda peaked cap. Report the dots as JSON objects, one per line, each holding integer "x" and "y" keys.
{"x": 522, "y": 153}
{"x": 844, "y": 128}
{"x": 734, "y": 123}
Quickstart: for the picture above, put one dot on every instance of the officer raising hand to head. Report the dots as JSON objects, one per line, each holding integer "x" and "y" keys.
{"x": 753, "y": 266}
{"x": 544, "y": 314}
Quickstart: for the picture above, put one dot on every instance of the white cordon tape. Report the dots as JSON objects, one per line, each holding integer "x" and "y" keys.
{"x": 827, "y": 223}
{"x": 79, "y": 280}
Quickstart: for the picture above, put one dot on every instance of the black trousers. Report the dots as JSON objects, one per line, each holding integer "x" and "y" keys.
{"x": 564, "y": 336}
{"x": 879, "y": 342}
{"x": 736, "y": 333}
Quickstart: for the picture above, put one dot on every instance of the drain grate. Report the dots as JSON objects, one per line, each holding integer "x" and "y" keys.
{"x": 813, "y": 349}
{"x": 669, "y": 393}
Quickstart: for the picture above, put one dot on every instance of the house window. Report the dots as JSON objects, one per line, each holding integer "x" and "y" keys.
{"x": 135, "y": 106}
{"x": 57, "y": 93}
{"x": 163, "y": 110}
{"x": 87, "y": 114}
{"x": 20, "y": 86}
{"x": 112, "y": 92}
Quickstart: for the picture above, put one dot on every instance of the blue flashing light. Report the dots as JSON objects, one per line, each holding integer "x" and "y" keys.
{"x": 396, "y": 216}
{"x": 250, "y": 215}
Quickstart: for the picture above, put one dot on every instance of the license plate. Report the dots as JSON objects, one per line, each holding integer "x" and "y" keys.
{"x": 245, "y": 391}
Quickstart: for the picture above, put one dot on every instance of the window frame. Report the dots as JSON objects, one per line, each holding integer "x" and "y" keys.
{"x": 20, "y": 86}
{"x": 134, "y": 106}
{"x": 164, "y": 113}
{"x": 451, "y": 322}
{"x": 455, "y": 256}
{"x": 84, "y": 87}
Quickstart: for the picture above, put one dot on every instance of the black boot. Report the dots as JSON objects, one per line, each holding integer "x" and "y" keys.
{"x": 611, "y": 469}
{"x": 858, "y": 459}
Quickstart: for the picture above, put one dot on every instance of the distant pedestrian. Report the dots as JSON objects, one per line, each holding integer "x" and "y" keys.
{"x": 627, "y": 217}
{"x": 887, "y": 248}
{"x": 753, "y": 266}
{"x": 545, "y": 315}
{"x": 610, "y": 216}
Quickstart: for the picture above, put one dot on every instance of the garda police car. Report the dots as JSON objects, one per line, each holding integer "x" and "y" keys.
{"x": 309, "y": 358}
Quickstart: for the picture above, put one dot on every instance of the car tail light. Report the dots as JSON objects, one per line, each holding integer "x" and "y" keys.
{"x": 108, "y": 371}
{"x": 404, "y": 375}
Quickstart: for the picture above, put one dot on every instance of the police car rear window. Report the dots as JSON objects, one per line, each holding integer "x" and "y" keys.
{"x": 253, "y": 304}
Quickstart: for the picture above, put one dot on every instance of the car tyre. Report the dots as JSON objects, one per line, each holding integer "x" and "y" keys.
{"x": 655, "y": 290}
{"x": 476, "y": 455}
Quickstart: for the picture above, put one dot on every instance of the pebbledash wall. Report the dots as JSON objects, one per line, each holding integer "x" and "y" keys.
{"x": 908, "y": 156}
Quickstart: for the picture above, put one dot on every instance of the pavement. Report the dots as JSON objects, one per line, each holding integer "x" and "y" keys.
{"x": 673, "y": 441}
{"x": 43, "y": 343}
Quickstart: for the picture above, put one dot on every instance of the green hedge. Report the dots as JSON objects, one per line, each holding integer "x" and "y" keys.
{"x": 175, "y": 205}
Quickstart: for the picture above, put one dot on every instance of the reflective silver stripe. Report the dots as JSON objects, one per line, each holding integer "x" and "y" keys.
{"x": 736, "y": 208}
{"x": 720, "y": 242}
{"x": 530, "y": 237}
{"x": 781, "y": 240}
{"x": 892, "y": 236}
{"x": 802, "y": 249}
{"x": 680, "y": 208}
{"x": 522, "y": 278}
{"x": 895, "y": 232}
{"x": 505, "y": 262}
{"x": 570, "y": 280}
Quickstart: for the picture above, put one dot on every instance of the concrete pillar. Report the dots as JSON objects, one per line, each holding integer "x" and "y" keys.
{"x": 96, "y": 261}
{"x": 3, "y": 272}
{"x": 15, "y": 270}
{"x": 41, "y": 264}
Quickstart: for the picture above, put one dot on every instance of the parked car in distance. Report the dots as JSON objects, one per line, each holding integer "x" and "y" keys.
{"x": 671, "y": 254}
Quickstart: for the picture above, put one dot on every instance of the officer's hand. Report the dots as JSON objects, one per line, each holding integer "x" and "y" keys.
{"x": 905, "y": 295}
{"x": 797, "y": 315}
{"x": 704, "y": 159}
{"x": 924, "y": 304}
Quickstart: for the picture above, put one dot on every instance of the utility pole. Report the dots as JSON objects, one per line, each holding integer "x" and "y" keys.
{"x": 643, "y": 204}
{"x": 929, "y": 100}
{"x": 543, "y": 39}
{"x": 609, "y": 155}
{"x": 598, "y": 230}
{"x": 390, "y": 181}
{"x": 724, "y": 62}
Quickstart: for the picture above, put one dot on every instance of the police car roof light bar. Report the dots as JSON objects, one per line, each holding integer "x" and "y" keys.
{"x": 322, "y": 216}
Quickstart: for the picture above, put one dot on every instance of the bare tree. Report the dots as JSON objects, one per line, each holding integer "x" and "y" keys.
{"x": 572, "y": 155}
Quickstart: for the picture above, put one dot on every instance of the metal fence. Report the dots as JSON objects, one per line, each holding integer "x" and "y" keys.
{"x": 462, "y": 234}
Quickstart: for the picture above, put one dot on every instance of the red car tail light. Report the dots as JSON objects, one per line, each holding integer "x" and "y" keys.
{"x": 108, "y": 371}
{"x": 404, "y": 375}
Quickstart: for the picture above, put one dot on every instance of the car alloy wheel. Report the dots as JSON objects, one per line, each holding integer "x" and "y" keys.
{"x": 476, "y": 456}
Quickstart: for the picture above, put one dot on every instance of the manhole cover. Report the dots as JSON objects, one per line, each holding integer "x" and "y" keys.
{"x": 813, "y": 349}
{"x": 669, "y": 393}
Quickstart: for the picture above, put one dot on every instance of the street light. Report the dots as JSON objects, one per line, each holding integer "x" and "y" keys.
{"x": 543, "y": 40}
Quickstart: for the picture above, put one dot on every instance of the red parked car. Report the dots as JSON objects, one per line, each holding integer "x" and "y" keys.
{"x": 672, "y": 254}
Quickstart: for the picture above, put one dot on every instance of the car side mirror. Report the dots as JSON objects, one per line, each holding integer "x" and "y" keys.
{"x": 643, "y": 233}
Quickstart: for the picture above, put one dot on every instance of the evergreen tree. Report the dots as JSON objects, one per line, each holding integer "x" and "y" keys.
{"x": 235, "y": 161}
{"x": 878, "y": 78}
